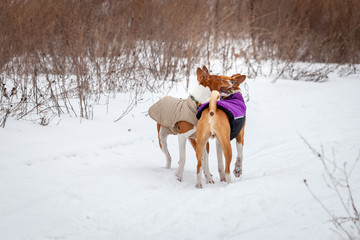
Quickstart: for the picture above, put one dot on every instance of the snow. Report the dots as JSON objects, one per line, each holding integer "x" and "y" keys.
{"x": 102, "y": 179}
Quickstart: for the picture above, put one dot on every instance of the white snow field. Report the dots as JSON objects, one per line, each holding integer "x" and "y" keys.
{"x": 102, "y": 179}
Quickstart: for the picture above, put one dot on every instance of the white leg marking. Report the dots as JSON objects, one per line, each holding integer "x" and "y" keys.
{"x": 198, "y": 180}
{"x": 163, "y": 139}
{"x": 238, "y": 164}
{"x": 228, "y": 177}
{"x": 182, "y": 152}
{"x": 220, "y": 162}
{"x": 205, "y": 163}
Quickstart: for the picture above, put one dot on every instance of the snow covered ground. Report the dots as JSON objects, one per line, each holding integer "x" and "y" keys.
{"x": 102, "y": 179}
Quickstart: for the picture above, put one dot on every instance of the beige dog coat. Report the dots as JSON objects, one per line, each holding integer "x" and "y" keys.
{"x": 169, "y": 110}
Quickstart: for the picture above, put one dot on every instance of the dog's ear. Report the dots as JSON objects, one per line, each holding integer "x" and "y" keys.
{"x": 199, "y": 72}
{"x": 206, "y": 72}
{"x": 235, "y": 75}
{"x": 238, "y": 79}
{"x": 203, "y": 75}
{"x": 200, "y": 75}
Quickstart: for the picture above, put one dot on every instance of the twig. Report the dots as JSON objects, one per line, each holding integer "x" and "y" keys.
{"x": 335, "y": 184}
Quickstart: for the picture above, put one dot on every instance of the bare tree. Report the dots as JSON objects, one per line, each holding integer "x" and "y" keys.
{"x": 53, "y": 52}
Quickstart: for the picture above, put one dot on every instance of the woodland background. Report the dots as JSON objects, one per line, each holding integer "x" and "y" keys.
{"x": 53, "y": 52}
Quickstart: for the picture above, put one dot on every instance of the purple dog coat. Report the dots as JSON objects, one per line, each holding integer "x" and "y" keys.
{"x": 235, "y": 109}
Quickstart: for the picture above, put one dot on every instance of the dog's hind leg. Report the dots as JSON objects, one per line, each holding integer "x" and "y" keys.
{"x": 226, "y": 146}
{"x": 162, "y": 135}
{"x": 239, "y": 147}
{"x": 205, "y": 163}
{"x": 185, "y": 131}
{"x": 182, "y": 152}
{"x": 239, "y": 159}
{"x": 219, "y": 154}
{"x": 200, "y": 146}
{"x": 199, "y": 154}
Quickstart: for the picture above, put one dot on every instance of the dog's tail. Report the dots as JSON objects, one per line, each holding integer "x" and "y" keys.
{"x": 212, "y": 104}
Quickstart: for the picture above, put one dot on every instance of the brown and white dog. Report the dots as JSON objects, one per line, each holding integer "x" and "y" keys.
{"x": 214, "y": 122}
{"x": 186, "y": 129}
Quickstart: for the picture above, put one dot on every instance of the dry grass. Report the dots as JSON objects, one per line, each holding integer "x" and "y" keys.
{"x": 53, "y": 51}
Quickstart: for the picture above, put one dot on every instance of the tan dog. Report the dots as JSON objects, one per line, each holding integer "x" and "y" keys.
{"x": 185, "y": 127}
{"x": 214, "y": 122}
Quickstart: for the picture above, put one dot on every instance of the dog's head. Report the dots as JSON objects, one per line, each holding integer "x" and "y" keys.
{"x": 214, "y": 82}
{"x": 224, "y": 84}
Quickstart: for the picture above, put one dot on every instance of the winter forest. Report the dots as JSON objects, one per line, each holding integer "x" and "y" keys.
{"x": 80, "y": 157}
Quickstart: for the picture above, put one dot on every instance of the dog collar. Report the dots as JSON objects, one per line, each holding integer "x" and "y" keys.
{"x": 197, "y": 103}
{"x": 231, "y": 91}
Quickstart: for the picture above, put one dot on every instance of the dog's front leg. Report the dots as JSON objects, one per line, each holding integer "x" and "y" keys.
{"x": 219, "y": 154}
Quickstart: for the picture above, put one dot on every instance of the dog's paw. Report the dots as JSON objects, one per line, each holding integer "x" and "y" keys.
{"x": 222, "y": 176}
{"x": 198, "y": 181}
{"x": 228, "y": 178}
{"x": 168, "y": 162}
{"x": 210, "y": 180}
{"x": 179, "y": 176}
{"x": 237, "y": 172}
